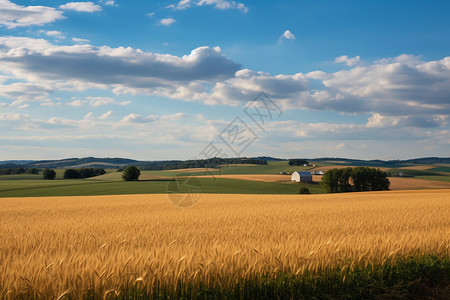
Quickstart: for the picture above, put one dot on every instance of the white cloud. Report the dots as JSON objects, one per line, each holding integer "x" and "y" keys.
{"x": 400, "y": 86}
{"x": 81, "y": 7}
{"x": 80, "y": 67}
{"x": 50, "y": 103}
{"x": 99, "y": 101}
{"x": 106, "y": 115}
{"x": 150, "y": 14}
{"x": 219, "y": 4}
{"x": 77, "y": 103}
{"x": 137, "y": 118}
{"x": 348, "y": 61}
{"x": 80, "y": 41}
{"x": 109, "y": 2}
{"x": 23, "y": 92}
{"x": 55, "y": 34}
{"x": 401, "y": 91}
{"x": 224, "y": 4}
{"x": 287, "y": 35}
{"x": 13, "y": 15}
{"x": 94, "y": 102}
{"x": 244, "y": 86}
{"x": 380, "y": 121}
{"x": 13, "y": 117}
{"x": 167, "y": 21}
{"x": 183, "y": 4}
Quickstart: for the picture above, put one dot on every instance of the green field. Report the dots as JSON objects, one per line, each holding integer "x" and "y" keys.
{"x": 435, "y": 177}
{"x": 415, "y": 173}
{"x": 271, "y": 168}
{"x": 111, "y": 183}
{"x": 85, "y": 187}
{"x": 441, "y": 169}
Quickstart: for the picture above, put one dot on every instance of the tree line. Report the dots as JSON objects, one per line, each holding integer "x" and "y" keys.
{"x": 355, "y": 180}
{"x": 74, "y": 173}
{"x": 297, "y": 162}
{"x": 196, "y": 163}
{"x": 83, "y": 173}
{"x": 18, "y": 171}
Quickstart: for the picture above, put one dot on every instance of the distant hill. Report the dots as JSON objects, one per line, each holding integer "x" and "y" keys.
{"x": 94, "y": 162}
{"x": 91, "y": 162}
{"x": 384, "y": 163}
{"x": 268, "y": 158}
{"x": 16, "y": 162}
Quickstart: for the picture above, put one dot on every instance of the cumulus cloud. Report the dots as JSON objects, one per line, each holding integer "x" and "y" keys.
{"x": 346, "y": 60}
{"x": 13, "y": 15}
{"x": 23, "y": 92}
{"x": 403, "y": 85}
{"x": 109, "y": 2}
{"x": 77, "y": 103}
{"x": 224, "y": 4}
{"x": 80, "y": 41}
{"x": 219, "y": 4}
{"x": 54, "y": 33}
{"x": 38, "y": 60}
{"x": 81, "y": 7}
{"x": 399, "y": 91}
{"x": 287, "y": 35}
{"x": 137, "y": 118}
{"x": 124, "y": 103}
{"x": 95, "y": 102}
{"x": 106, "y": 115}
{"x": 167, "y": 21}
{"x": 183, "y": 4}
{"x": 100, "y": 101}
{"x": 380, "y": 121}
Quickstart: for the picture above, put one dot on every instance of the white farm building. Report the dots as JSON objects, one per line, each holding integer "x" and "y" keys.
{"x": 301, "y": 176}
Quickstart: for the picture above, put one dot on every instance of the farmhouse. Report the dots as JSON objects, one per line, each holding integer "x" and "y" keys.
{"x": 301, "y": 176}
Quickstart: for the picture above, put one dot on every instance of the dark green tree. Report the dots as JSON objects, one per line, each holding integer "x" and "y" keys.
{"x": 363, "y": 179}
{"x": 131, "y": 173}
{"x": 304, "y": 190}
{"x": 297, "y": 162}
{"x": 331, "y": 180}
{"x": 20, "y": 171}
{"x": 32, "y": 171}
{"x": 72, "y": 174}
{"x": 343, "y": 177}
{"x": 49, "y": 174}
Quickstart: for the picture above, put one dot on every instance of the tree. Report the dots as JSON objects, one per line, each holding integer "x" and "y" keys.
{"x": 131, "y": 173}
{"x": 343, "y": 178}
{"x": 72, "y": 174}
{"x": 363, "y": 179}
{"x": 297, "y": 162}
{"x": 20, "y": 171}
{"x": 32, "y": 171}
{"x": 331, "y": 181}
{"x": 49, "y": 174}
{"x": 304, "y": 190}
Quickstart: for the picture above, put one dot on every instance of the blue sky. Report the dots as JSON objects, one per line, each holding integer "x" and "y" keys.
{"x": 158, "y": 80}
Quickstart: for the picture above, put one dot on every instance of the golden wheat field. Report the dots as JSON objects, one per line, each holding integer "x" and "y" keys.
{"x": 64, "y": 246}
